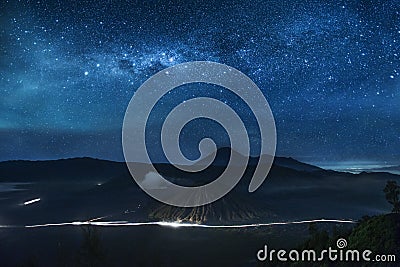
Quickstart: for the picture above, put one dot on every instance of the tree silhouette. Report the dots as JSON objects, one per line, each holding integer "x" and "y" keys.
{"x": 392, "y": 191}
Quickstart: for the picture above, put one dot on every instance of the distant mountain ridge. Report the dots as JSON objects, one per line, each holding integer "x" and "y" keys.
{"x": 83, "y": 188}
{"x": 86, "y": 167}
{"x": 391, "y": 169}
{"x": 223, "y": 154}
{"x": 112, "y": 179}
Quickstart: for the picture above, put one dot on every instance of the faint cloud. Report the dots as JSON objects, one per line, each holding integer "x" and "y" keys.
{"x": 153, "y": 180}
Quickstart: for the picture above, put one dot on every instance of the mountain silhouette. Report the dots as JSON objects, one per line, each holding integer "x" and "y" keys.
{"x": 85, "y": 188}
{"x": 223, "y": 154}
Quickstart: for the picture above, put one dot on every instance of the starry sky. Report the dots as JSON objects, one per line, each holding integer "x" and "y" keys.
{"x": 330, "y": 71}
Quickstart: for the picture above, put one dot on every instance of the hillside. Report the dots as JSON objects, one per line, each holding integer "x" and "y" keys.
{"x": 85, "y": 188}
{"x": 380, "y": 234}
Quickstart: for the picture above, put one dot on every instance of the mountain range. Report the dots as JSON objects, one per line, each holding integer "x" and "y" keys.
{"x": 86, "y": 188}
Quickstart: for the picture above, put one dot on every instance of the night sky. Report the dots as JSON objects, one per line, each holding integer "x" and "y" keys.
{"x": 329, "y": 70}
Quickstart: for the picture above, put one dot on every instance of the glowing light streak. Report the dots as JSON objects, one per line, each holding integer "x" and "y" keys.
{"x": 180, "y": 224}
{"x": 31, "y": 201}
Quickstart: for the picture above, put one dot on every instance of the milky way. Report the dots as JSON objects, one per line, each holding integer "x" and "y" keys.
{"x": 330, "y": 71}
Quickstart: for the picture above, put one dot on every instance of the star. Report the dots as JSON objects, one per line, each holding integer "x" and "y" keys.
{"x": 324, "y": 67}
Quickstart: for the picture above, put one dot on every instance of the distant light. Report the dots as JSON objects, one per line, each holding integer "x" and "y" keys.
{"x": 171, "y": 59}
{"x": 172, "y": 224}
{"x": 86, "y": 73}
{"x": 99, "y": 184}
{"x": 31, "y": 201}
{"x": 97, "y": 65}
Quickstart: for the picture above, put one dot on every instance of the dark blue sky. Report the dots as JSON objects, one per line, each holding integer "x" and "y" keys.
{"x": 329, "y": 70}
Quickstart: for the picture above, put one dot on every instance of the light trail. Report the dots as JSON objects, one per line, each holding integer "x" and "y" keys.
{"x": 180, "y": 224}
{"x": 31, "y": 201}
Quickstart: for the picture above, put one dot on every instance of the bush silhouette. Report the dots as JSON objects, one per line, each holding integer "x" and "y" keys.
{"x": 392, "y": 191}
